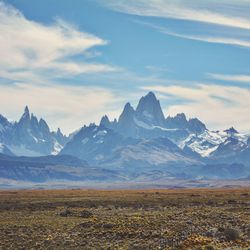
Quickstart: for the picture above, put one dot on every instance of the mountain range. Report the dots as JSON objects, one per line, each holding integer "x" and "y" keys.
{"x": 141, "y": 143}
{"x": 30, "y": 136}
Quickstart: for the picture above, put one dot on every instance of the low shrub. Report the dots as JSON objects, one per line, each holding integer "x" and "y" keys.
{"x": 231, "y": 234}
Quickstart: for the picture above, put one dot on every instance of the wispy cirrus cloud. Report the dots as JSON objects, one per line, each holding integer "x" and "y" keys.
{"x": 212, "y": 38}
{"x": 206, "y": 11}
{"x": 213, "y": 16}
{"x": 37, "y": 49}
{"x": 34, "y": 55}
{"x": 230, "y": 78}
{"x": 217, "y": 105}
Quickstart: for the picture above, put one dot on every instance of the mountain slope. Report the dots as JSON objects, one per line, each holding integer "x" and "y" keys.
{"x": 149, "y": 153}
{"x": 235, "y": 149}
{"x": 5, "y": 150}
{"x": 137, "y": 139}
{"x": 5, "y": 125}
{"x": 140, "y": 144}
{"x": 52, "y": 168}
{"x": 94, "y": 143}
{"x": 30, "y": 136}
{"x": 104, "y": 147}
{"x": 149, "y": 110}
{"x": 210, "y": 143}
{"x": 148, "y": 121}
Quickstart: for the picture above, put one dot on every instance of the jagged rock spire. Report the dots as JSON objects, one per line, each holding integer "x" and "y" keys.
{"x": 149, "y": 110}
{"x": 127, "y": 113}
{"x": 105, "y": 121}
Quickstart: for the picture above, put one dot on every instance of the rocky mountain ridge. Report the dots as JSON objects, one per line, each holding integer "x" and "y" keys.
{"x": 140, "y": 141}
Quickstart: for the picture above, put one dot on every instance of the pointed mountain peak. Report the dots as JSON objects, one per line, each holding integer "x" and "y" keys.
{"x": 128, "y": 106}
{"x": 126, "y": 122}
{"x": 178, "y": 117}
{"x": 26, "y": 109}
{"x": 231, "y": 130}
{"x": 26, "y": 114}
{"x": 105, "y": 121}
{"x": 149, "y": 110}
{"x": 148, "y": 98}
{"x": 127, "y": 113}
{"x": 4, "y": 121}
{"x": 181, "y": 116}
{"x": 150, "y": 95}
{"x": 196, "y": 126}
{"x": 59, "y": 132}
{"x": 178, "y": 121}
{"x": 44, "y": 126}
{"x": 33, "y": 117}
{"x": 92, "y": 125}
{"x": 42, "y": 121}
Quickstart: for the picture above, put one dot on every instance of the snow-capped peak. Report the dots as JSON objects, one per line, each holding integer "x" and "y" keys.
{"x": 208, "y": 141}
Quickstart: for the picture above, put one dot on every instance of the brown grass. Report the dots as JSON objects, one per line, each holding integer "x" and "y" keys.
{"x": 124, "y": 219}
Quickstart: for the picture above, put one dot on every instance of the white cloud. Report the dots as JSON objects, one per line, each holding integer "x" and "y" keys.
{"x": 230, "y": 78}
{"x": 68, "y": 107}
{"x": 218, "y": 106}
{"x": 201, "y": 11}
{"x": 202, "y": 38}
{"x": 33, "y": 55}
{"x": 35, "y": 48}
{"x": 231, "y": 15}
{"x": 222, "y": 40}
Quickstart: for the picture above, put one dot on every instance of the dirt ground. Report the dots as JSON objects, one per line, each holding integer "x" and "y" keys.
{"x": 121, "y": 219}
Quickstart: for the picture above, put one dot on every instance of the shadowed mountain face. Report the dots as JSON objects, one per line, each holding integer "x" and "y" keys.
{"x": 180, "y": 122}
{"x": 5, "y": 150}
{"x": 126, "y": 123}
{"x": 148, "y": 121}
{"x": 50, "y": 168}
{"x": 141, "y": 143}
{"x": 104, "y": 147}
{"x": 94, "y": 143}
{"x": 149, "y": 110}
{"x": 142, "y": 138}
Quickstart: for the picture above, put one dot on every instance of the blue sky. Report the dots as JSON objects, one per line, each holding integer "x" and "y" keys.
{"x": 74, "y": 61}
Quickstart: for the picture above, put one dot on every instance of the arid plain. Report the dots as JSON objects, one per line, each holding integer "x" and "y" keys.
{"x": 125, "y": 219}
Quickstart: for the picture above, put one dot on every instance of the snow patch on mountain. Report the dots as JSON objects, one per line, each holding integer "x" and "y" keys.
{"x": 99, "y": 141}
{"x": 208, "y": 142}
{"x": 100, "y": 133}
{"x": 30, "y": 136}
{"x": 57, "y": 148}
{"x": 165, "y": 129}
